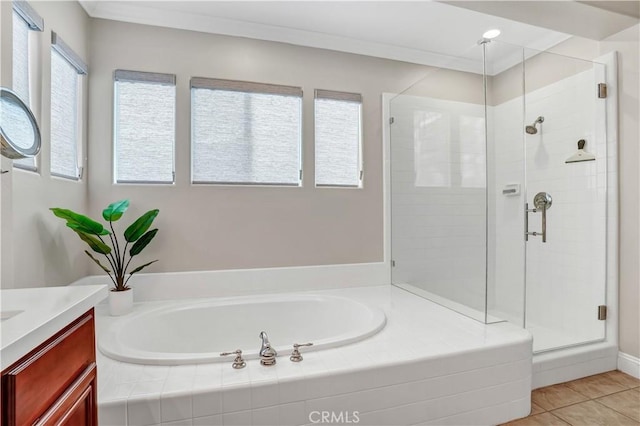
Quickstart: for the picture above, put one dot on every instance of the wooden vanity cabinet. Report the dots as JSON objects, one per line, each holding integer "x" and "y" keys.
{"x": 55, "y": 384}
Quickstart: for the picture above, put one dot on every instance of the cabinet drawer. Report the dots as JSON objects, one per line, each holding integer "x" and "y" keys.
{"x": 34, "y": 383}
{"x": 77, "y": 404}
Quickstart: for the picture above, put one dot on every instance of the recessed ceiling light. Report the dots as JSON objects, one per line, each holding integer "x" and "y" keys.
{"x": 491, "y": 33}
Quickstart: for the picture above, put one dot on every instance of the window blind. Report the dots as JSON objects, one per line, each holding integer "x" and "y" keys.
{"x": 65, "y": 99}
{"x": 21, "y": 75}
{"x": 21, "y": 58}
{"x": 245, "y": 133}
{"x": 338, "y": 134}
{"x": 144, "y": 127}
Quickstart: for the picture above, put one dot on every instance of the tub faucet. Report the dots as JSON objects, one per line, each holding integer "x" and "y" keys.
{"x": 267, "y": 353}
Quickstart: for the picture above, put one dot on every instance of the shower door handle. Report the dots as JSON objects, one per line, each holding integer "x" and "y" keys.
{"x": 544, "y": 223}
{"x": 542, "y": 202}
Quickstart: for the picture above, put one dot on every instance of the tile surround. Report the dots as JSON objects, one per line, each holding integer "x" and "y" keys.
{"x": 410, "y": 376}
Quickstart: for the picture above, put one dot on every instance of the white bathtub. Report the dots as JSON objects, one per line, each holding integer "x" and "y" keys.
{"x": 427, "y": 365}
{"x": 198, "y": 331}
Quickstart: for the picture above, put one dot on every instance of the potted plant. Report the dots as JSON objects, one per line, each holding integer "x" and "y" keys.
{"x": 137, "y": 236}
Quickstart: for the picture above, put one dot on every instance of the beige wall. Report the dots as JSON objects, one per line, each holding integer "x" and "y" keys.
{"x": 543, "y": 69}
{"x": 226, "y": 227}
{"x": 38, "y": 250}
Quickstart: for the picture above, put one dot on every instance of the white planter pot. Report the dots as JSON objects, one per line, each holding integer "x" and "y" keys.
{"x": 120, "y": 302}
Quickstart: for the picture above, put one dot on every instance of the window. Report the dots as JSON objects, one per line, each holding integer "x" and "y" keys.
{"x": 338, "y": 135}
{"x": 25, "y": 20}
{"x": 144, "y": 127}
{"x": 66, "y": 109}
{"x": 245, "y": 133}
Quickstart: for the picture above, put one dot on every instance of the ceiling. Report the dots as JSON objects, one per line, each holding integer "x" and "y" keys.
{"x": 424, "y": 32}
{"x": 595, "y": 20}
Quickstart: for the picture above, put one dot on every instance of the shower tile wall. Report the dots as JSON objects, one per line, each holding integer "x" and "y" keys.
{"x": 438, "y": 181}
{"x": 565, "y": 275}
{"x": 506, "y": 260}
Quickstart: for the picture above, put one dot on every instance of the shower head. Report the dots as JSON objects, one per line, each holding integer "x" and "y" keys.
{"x": 532, "y": 130}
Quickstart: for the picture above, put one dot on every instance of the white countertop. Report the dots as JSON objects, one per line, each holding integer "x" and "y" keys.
{"x": 32, "y": 315}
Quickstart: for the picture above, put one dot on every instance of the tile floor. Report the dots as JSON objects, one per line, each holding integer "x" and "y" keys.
{"x": 607, "y": 399}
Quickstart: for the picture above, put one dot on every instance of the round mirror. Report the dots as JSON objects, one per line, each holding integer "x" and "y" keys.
{"x": 19, "y": 133}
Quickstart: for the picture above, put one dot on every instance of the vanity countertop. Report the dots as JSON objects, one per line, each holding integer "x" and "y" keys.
{"x": 30, "y": 316}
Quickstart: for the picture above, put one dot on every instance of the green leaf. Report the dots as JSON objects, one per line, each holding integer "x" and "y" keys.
{"x": 95, "y": 244}
{"x": 77, "y": 227}
{"x": 140, "y": 226}
{"x": 139, "y": 245}
{"x": 140, "y": 268}
{"x": 104, "y": 268}
{"x": 88, "y": 225}
{"x": 115, "y": 210}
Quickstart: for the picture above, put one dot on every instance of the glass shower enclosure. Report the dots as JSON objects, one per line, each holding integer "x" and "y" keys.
{"x": 498, "y": 191}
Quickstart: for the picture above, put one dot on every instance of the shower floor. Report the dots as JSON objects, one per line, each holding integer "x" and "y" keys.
{"x": 546, "y": 339}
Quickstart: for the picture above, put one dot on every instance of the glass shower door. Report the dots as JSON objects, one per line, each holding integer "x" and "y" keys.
{"x": 566, "y": 173}
{"x": 499, "y": 192}
{"x": 439, "y": 189}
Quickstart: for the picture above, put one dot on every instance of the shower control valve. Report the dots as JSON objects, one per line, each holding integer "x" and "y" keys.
{"x": 295, "y": 355}
{"x": 238, "y": 362}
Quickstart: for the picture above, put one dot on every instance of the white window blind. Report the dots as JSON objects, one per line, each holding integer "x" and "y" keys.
{"x": 338, "y": 134}
{"x": 23, "y": 23}
{"x": 245, "y": 133}
{"x": 21, "y": 58}
{"x": 144, "y": 127}
{"x": 66, "y": 109}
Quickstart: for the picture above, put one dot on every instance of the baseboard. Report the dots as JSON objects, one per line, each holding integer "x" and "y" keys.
{"x": 629, "y": 364}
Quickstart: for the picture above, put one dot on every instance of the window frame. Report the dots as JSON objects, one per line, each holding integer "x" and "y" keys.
{"x": 342, "y": 97}
{"x": 247, "y": 87}
{"x": 59, "y": 47}
{"x": 142, "y": 77}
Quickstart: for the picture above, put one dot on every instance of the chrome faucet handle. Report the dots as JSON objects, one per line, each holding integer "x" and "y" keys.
{"x": 238, "y": 362}
{"x": 295, "y": 355}
{"x": 267, "y": 353}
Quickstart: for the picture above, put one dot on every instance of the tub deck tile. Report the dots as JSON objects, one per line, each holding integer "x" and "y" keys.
{"x": 403, "y": 375}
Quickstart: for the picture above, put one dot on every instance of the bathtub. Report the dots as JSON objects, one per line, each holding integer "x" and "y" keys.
{"x": 427, "y": 365}
{"x": 197, "y": 332}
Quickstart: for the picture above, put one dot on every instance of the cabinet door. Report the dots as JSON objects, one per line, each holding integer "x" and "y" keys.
{"x": 37, "y": 381}
{"x": 77, "y": 406}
